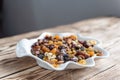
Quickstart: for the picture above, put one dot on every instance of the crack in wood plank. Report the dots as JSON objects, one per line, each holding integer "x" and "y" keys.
{"x": 6, "y": 53}
{"x": 17, "y": 71}
{"x": 62, "y": 75}
{"x": 54, "y": 75}
{"x": 101, "y": 72}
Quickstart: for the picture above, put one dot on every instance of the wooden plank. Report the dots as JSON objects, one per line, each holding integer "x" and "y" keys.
{"x": 36, "y": 73}
{"x": 111, "y": 74}
{"x": 105, "y": 29}
{"x": 12, "y": 65}
{"x": 9, "y": 64}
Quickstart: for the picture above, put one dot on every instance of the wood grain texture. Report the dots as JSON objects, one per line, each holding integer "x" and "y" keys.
{"x": 106, "y": 29}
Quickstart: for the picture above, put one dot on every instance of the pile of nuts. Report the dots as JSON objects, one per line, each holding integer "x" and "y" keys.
{"x": 57, "y": 50}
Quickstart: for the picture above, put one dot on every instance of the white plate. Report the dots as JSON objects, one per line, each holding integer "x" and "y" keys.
{"x": 24, "y": 49}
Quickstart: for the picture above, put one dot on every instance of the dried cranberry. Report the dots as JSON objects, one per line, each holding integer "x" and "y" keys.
{"x": 81, "y": 42}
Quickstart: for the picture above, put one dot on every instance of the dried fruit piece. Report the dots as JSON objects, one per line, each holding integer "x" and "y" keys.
{"x": 60, "y": 57}
{"x": 45, "y": 49}
{"x": 81, "y": 57}
{"x": 51, "y": 47}
{"x": 50, "y": 42}
{"x": 74, "y": 59}
{"x": 85, "y": 44}
{"x": 57, "y": 37}
{"x": 54, "y": 50}
{"x": 37, "y": 52}
{"x": 83, "y": 54}
{"x": 45, "y": 58}
{"x": 53, "y": 61}
{"x": 66, "y": 57}
{"x": 56, "y": 46}
{"x": 69, "y": 52}
{"x": 59, "y": 43}
{"x": 50, "y": 55}
{"x": 74, "y": 51}
{"x": 82, "y": 48}
{"x": 82, "y": 61}
{"x": 91, "y": 53}
{"x": 73, "y": 37}
{"x": 41, "y": 56}
{"x": 60, "y": 62}
{"x": 45, "y": 41}
{"x": 40, "y": 41}
{"x": 55, "y": 65}
{"x": 69, "y": 41}
{"x": 71, "y": 55}
{"x": 99, "y": 54}
{"x": 35, "y": 48}
{"x": 92, "y": 42}
{"x": 61, "y": 47}
{"x": 48, "y": 37}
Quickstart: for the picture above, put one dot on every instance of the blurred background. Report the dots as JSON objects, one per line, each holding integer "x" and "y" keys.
{"x": 20, "y": 16}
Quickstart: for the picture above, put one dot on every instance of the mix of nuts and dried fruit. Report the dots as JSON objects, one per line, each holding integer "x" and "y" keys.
{"x": 57, "y": 50}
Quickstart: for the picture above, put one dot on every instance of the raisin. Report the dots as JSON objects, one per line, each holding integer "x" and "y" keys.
{"x": 66, "y": 57}
{"x": 85, "y": 44}
{"x": 51, "y": 47}
{"x": 45, "y": 41}
{"x": 41, "y": 56}
{"x": 40, "y": 41}
{"x": 48, "y": 37}
{"x": 77, "y": 47}
{"x": 61, "y": 47}
{"x": 81, "y": 53}
{"x": 36, "y": 44}
{"x": 82, "y": 48}
{"x": 81, "y": 42}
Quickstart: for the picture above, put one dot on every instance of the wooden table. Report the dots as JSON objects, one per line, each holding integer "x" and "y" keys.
{"x": 106, "y": 29}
